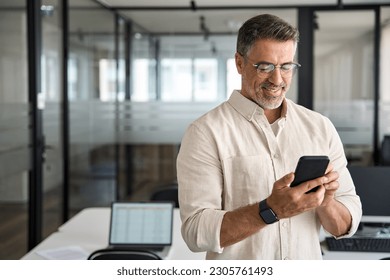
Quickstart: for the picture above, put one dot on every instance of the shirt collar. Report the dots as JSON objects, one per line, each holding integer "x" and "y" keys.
{"x": 248, "y": 108}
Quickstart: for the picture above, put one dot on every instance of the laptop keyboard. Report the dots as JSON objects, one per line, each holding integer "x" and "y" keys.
{"x": 363, "y": 244}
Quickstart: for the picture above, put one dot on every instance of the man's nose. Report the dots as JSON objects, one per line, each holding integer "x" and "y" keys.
{"x": 276, "y": 77}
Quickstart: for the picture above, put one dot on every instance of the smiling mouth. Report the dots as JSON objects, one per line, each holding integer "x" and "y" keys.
{"x": 272, "y": 88}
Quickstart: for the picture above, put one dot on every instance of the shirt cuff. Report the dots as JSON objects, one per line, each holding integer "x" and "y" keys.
{"x": 356, "y": 215}
{"x": 210, "y": 230}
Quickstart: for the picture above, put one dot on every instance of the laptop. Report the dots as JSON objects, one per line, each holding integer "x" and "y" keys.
{"x": 141, "y": 225}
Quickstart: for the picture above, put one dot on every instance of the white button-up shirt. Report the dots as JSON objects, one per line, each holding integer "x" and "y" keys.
{"x": 231, "y": 157}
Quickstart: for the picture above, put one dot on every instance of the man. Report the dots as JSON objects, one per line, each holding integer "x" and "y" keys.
{"x": 238, "y": 160}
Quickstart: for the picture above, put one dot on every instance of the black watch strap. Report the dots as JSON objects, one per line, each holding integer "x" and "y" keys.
{"x": 266, "y": 213}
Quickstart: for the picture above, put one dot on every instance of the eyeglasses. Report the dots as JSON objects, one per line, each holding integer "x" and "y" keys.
{"x": 286, "y": 70}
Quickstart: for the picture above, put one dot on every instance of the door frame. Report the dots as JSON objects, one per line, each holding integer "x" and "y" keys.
{"x": 34, "y": 46}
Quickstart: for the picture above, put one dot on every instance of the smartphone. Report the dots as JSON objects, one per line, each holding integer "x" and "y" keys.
{"x": 309, "y": 168}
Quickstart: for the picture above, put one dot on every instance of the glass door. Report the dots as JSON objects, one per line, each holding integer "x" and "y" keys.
{"x": 21, "y": 218}
{"x": 14, "y": 130}
{"x": 51, "y": 88}
{"x": 344, "y": 77}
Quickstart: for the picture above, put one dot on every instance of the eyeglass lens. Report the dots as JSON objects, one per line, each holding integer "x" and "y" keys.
{"x": 268, "y": 68}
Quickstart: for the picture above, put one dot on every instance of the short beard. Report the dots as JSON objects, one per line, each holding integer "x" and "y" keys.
{"x": 266, "y": 103}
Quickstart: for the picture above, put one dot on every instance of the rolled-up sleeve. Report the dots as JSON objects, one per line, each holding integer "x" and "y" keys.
{"x": 200, "y": 180}
{"x": 346, "y": 194}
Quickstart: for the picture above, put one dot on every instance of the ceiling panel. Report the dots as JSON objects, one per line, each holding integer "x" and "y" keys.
{"x": 217, "y": 21}
{"x": 336, "y": 28}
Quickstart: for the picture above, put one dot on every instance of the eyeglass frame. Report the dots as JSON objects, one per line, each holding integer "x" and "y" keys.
{"x": 283, "y": 72}
{"x": 261, "y": 72}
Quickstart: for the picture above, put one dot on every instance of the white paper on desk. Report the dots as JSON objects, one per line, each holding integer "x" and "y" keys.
{"x": 64, "y": 253}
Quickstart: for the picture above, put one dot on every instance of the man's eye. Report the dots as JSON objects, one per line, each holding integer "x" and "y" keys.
{"x": 287, "y": 67}
{"x": 265, "y": 67}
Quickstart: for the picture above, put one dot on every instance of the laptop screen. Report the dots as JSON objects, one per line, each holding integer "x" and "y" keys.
{"x": 141, "y": 224}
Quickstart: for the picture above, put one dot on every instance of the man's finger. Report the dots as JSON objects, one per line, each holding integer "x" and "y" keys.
{"x": 285, "y": 181}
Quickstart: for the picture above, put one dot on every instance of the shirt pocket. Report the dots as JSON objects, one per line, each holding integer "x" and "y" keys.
{"x": 247, "y": 179}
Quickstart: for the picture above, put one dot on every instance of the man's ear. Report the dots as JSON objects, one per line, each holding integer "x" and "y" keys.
{"x": 239, "y": 62}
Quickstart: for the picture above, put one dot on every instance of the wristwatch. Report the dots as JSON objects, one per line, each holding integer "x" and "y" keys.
{"x": 266, "y": 213}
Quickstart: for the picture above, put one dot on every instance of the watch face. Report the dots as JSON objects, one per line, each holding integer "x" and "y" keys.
{"x": 268, "y": 216}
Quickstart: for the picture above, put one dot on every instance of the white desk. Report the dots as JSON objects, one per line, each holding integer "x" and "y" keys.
{"x": 89, "y": 230}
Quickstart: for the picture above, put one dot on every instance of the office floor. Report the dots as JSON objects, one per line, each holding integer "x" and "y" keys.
{"x": 14, "y": 226}
{"x": 13, "y": 239}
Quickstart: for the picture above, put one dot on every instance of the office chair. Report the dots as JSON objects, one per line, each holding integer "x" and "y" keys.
{"x": 123, "y": 254}
{"x": 167, "y": 193}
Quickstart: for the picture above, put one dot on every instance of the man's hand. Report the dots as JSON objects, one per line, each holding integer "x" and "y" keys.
{"x": 286, "y": 201}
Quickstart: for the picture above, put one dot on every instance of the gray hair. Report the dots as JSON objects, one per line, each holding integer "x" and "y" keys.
{"x": 264, "y": 26}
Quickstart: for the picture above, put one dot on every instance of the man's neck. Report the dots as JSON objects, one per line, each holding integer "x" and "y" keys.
{"x": 273, "y": 115}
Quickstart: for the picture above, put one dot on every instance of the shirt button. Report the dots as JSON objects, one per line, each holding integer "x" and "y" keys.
{"x": 284, "y": 224}
{"x": 286, "y": 258}
{"x": 276, "y": 155}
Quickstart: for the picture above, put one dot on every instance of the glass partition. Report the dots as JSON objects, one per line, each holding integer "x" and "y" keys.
{"x": 14, "y": 130}
{"x": 143, "y": 65}
{"x": 343, "y": 86}
{"x": 52, "y": 118}
{"x": 92, "y": 97}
